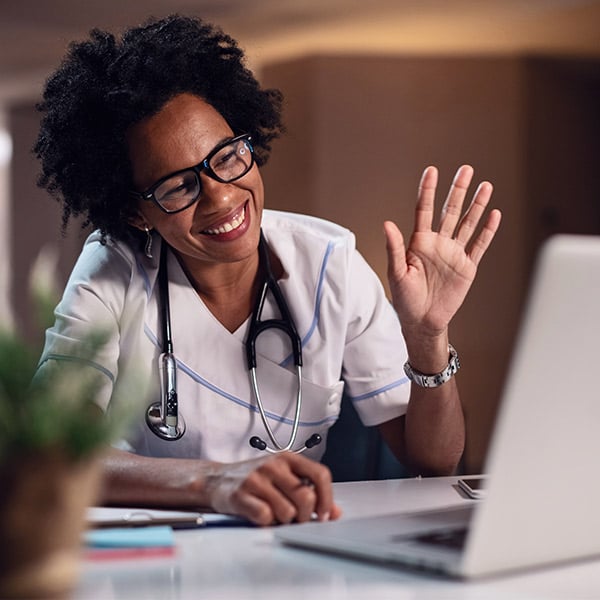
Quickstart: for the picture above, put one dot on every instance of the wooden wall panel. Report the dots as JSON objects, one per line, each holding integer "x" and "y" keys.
{"x": 362, "y": 129}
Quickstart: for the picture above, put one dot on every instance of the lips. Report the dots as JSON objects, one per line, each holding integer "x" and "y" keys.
{"x": 231, "y": 224}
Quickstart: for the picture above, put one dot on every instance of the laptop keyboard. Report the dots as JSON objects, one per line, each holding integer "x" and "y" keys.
{"x": 448, "y": 538}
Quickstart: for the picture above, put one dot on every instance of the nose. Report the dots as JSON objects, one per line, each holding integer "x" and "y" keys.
{"x": 213, "y": 193}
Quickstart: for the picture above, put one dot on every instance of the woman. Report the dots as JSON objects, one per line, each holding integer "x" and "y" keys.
{"x": 157, "y": 140}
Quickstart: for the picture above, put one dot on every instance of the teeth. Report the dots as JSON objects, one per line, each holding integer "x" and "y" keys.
{"x": 230, "y": 226}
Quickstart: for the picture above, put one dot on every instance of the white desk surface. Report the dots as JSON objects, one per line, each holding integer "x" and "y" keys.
{"x": 247, "y": 563}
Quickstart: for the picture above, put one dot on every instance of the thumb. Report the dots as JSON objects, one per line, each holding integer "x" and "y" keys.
{"x": 396, "y": 251}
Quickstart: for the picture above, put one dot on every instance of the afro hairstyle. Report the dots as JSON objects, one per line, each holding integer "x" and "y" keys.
{"x": 105, "y": 85}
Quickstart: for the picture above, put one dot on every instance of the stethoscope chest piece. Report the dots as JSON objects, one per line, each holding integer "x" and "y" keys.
{"x": 163, "y": 417}
{"x": 163, "y": 430}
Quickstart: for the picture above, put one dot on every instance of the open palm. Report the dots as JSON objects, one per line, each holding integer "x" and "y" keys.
{"x": 430, "y": 278}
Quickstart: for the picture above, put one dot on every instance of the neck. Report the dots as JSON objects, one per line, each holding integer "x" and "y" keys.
{"x": 229, "y": 290}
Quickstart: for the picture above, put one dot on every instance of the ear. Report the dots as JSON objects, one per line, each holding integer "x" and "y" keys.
{"x": 140, "y": 222}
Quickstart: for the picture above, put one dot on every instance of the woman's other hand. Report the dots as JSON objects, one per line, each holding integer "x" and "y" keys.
{"x": 273, "y": 489}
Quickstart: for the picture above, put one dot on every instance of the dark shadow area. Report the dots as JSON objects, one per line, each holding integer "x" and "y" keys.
{"x": 355, "y": 452}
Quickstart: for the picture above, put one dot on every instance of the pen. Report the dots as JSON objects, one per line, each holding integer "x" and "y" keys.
{"x": 143, "y": 519}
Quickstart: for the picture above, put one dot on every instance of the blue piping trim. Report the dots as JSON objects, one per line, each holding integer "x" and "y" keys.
{"x": 150, "y": 334}
{"x": 330, "y": 246}
{"x": 213, "y": 388}
{"x": 89, "y": 363}
{"x": 385, "y": 388}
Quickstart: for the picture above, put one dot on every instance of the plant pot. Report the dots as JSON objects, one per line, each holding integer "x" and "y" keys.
{"x": 43, "y": 500}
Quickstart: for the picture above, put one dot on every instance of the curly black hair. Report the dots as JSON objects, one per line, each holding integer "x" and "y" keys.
{"x": 105, "y": 85}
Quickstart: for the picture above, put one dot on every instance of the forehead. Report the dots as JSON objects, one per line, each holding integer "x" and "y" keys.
{"x": 181, "y": 134}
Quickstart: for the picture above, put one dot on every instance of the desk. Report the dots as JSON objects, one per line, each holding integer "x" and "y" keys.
{"x": 241, "y": 563}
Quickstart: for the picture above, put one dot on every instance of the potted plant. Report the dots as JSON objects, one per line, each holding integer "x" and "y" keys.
{"x": 51, "y": 437}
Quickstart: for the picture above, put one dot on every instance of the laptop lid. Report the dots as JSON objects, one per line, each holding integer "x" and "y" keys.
{"x": 544, "y": 491}
{"x": 541, "y": 505}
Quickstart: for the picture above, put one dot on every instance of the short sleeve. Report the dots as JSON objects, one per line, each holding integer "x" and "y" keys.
{"x": 92, "y": 302}
{"x": 375, "y": 351}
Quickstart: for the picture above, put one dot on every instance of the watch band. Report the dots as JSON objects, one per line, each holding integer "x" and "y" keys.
{"x": 432, "y": 381}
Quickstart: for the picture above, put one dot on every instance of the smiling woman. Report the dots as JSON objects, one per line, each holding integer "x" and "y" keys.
{"x": 157, "y": 138}
{"x": 162, "y": 149}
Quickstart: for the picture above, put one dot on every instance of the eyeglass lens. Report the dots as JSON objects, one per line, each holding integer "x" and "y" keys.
{"x": 228, "y": 163}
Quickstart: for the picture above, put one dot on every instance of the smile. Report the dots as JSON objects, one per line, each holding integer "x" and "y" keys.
{"x": 236, "y": 221}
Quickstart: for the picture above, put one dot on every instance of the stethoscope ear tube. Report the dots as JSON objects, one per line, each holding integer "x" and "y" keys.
{"x": 277, "y": 446}
{"x": 260, "y": 444}
{"x": 285, "y": 323}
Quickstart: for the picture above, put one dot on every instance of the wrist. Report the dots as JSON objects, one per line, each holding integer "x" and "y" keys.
{"x": 434, "y": 379}
{"x": 427, "y": 353}
{"x": 202, "y": 482}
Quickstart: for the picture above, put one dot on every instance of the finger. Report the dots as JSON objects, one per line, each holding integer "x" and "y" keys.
{"x": 452, "y": 208}
{"x": 299, "y": 492}
{"x": 396, "y": 251}
{"x": 471, "y": 218}
{"x": 336, "y": 512}
{"x": 254, "y": 509}
{"x": 320, "y": 476}
{"x": 286, "y": 484}
{"x": 304, "y": 498}
{"x": 261, "y": 501}
{"x": 482, "y": 242}
{"x": 426, "y": 200}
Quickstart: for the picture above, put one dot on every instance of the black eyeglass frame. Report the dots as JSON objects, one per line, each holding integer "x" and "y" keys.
{"x": 202, "y": 166}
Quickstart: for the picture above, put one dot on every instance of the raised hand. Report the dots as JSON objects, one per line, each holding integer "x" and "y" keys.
{"x": 429, "y": 279}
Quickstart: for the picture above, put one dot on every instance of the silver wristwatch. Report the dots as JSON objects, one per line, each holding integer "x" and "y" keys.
{"x": 431, "y": 381}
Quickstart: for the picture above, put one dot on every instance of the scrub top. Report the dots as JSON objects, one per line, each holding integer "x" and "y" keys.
{"x": 351, "y": 342}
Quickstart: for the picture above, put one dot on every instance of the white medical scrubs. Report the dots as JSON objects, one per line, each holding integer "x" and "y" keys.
{"x": 350, "y": 335}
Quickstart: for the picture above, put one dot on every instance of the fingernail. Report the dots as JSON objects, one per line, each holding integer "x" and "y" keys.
{"x": 325, "y": 517}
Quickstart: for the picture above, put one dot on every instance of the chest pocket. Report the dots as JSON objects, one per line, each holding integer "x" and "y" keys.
{"x": 320, "y": 407}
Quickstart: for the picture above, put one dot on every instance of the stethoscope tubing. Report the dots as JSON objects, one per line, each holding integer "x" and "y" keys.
{"x": 164, "y": 418}
{"x": 263, "y": 416}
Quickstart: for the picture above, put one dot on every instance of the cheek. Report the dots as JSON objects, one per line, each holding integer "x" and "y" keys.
{"x": 176, "y": 224}
{"x": 256, "y": 184}
{"x": 169, "y": 226}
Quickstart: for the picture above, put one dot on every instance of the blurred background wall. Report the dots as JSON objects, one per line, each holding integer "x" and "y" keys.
{"x": 375, "y": 91}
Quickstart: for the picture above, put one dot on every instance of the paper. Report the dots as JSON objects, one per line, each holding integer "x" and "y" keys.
{"x": 127, "y": 537}
{"x": 129, "y": 543}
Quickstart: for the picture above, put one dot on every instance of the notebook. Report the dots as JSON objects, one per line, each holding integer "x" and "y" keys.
{"x": 542, "y": 503}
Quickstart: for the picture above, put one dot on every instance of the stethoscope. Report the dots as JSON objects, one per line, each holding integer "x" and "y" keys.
{"x": 163, "y": 417}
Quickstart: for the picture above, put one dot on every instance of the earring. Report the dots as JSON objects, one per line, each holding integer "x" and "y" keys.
{"x": 148, "y": 245}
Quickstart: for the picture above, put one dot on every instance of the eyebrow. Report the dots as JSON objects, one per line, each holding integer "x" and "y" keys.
{"x": 166, "y": 175}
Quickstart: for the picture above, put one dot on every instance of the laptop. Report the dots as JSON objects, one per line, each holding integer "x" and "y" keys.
{"x": 542, "y": 503}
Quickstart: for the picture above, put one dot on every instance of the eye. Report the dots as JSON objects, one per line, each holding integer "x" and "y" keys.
{"x": 228, "y": 155}
{"x": 178, "y": 186}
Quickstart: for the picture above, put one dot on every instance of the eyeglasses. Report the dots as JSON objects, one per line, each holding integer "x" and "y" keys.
{"x": 225, "y": 163}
